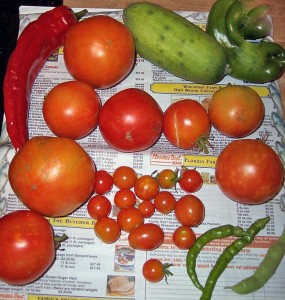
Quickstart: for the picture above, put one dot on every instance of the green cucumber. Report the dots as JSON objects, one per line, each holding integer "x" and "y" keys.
{"x": 173, "y": 43}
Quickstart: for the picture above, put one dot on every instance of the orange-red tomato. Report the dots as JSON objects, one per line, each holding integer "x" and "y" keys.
{"x": 129, "y": 218}
{"x": 99, "y": 206}
{"x": 154, "y": 270}
{"x": 147, "y": 208}
{"x": 107, "y": 230}
{"x": 236, "y": 111}
{"x": 124, "y": 177}
{"x": 183, "y": 237}
{"x": 164, "y": 202}
{"x": 146, "y": 187}
{"x": 100, "y": 51}
{"x": 125, "y": 198}
{"x": 52, "y": 175}
{"x": 71, "y": 109}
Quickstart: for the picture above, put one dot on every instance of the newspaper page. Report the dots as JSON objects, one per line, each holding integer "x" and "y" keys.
{"x": 87, "y": 267}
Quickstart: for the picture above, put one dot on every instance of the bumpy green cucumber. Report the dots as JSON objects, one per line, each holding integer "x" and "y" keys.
{"x": 173, "y": 43}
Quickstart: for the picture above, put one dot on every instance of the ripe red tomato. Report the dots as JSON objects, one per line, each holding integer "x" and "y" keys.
{"x": 100, "y": 51}
{"x": 184, "y": 237}
{"x": 154, "y": 270}
{"x": 99, "y": 206}
{"x": 125, "y": 198}
{"x": 190, "y": 181}
{"x": 103, "y": 182}
{"x": 147, "y": 236}
{"x": 129, "y": 218}
{"x": 131, "y": 120}
{"x": 147, "y": 208}
{"x": 236, "y": 111}
{"x": 186, "y": 124}
{"x": 107, "y": 230}
{"x": 124, "y": 177}
{"x": 71, "y": 109}
{"x": 27, "y": 247}
{"x": 166, "y": 178}
{"x": 164, "y": 202}
{"x": 249, "y": 171}
{"x": 146, "y": 187}
{"x": 189, "y": 210}
{"x": 52, "y": 175}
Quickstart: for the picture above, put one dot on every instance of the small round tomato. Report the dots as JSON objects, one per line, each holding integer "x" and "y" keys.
{"x": 124, "y": 177}
{"x": 146, "y": 187}
{"x": 166, "y": 178}
{"x": 103, "y": 182}
{"x": 107, "y": 230}
{"x": 189, "y": 210}
{"x": 129, "y": 218}
{"x": 164, "y": 202}
{"x": 236, "y": 111}
{"x": 249, "y": 171}
{"x": 131, "y": 120}
{"x": 186, "y": 124}
{"x": 154, "y": 270}
{"x": 99, "y": 206}
{"x": 147, "y": 208}
{"x": 27, "y": 247}
{"x": 146, "y": 236}
{"x": 125, "y": 198}
{"x": 99, "y": 50}
{"x": 71, "y": 109}
{"x": 190, "y": 180}
{"x": 184, "y": 237}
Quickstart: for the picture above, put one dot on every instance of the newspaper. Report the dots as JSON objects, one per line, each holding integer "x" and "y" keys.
{"x": 87, "y": 267}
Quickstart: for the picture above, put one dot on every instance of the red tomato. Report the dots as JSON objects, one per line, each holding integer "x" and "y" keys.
{"x": 184, "y": 237}
{"x": 236, "y": 111}
{"x": 52, "y": 175}
{"x": 189, "y": 210}
{"x": 124, "y": 177}
{"x": 186, "y": 124}
{"x": 71, "y": 109}
{"x": 164, "y": 202}
{"x": 100, "y": 51}
{"x": 190, "y": 181}
{"x": 131, "y": 120}
{"x": 107, "y": 230}
{"x": 129, "y": 218}
{"x": 147, "y": 208}
{"x": 147, "y": 236}
{"x": 125, "y": 198}
{"x": 146, "y": 187}
{"x": 166, "y": 178}
{"x": 27, "y": 247}
{"x": 154, "y": 270}
{"x": 103, "y": 182}
{"x": 99, "y": 206}
{"x": 249, "y": 171}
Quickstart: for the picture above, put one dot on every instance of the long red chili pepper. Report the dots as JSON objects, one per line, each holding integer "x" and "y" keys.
{"x": 35, "y": 45}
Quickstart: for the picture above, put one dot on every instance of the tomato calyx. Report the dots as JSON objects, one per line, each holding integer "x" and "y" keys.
{"x": 166, "y": 270}
{"x": 203, "y": 144}
{"x": 58, "y": 239}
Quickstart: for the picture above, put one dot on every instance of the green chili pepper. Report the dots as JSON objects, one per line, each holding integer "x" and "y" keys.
{"x": 265, "y": 270}
{"x": 210, "y": 235}
{"x": 228, "y": 254}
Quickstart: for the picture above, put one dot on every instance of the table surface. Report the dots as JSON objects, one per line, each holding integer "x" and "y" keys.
{"x": 277, "y": 12}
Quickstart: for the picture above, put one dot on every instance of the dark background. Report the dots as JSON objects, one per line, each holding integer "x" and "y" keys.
{"x": 9, "y": 26}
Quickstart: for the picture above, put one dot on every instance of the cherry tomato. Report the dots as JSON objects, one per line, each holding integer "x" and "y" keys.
{"x": 27, "y": 247}
{"x": 146, "y": 187}
{"x": 99, "y": 206}
{"x": 147, "y": 236}
{"x": 52, "y": 175}
{"x": 103, "y": 182}
{"x": 184, "y": 237}
{"x": 100, "y": 51}
{"x": 154, "y": 270}
{"x": 124, "y": 177}
{"x": 186, "y": 124}
{"x": 147, "y": 208}
{"x": 129, "y": 218}
{"x": 123, "y": 125}
{"x": 249, "y": 171}
{"x": 236, "y": 111}
{"x": 166, "y": 178}
{"x": 107, "y": 230}
{"x": 164, "y": 202}
{"x": 125, "y": 198}
{"x": 189, "y": 210}
{"x": 71, "y": 109}
{"x": 190, "y": 181}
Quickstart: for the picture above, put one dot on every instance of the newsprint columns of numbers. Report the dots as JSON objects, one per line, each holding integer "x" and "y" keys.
{"x": 89, "y": 269}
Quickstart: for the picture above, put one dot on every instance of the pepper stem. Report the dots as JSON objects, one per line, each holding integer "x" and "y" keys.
{"x": 80, "y": 14}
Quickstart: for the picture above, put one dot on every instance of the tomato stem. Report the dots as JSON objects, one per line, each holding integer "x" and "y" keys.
{"x": 167, "y": 272}
{"x": 58, "y": 239}
{"x": 203, "y": 144}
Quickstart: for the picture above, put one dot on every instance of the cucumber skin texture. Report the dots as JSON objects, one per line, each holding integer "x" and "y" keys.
{"x": 174, "y": 44}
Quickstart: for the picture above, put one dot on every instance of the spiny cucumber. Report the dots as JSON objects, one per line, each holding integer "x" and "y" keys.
{"x": 175, "y": 44}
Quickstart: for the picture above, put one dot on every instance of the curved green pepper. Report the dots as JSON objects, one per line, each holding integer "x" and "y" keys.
{"x": 256, "y": 62}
